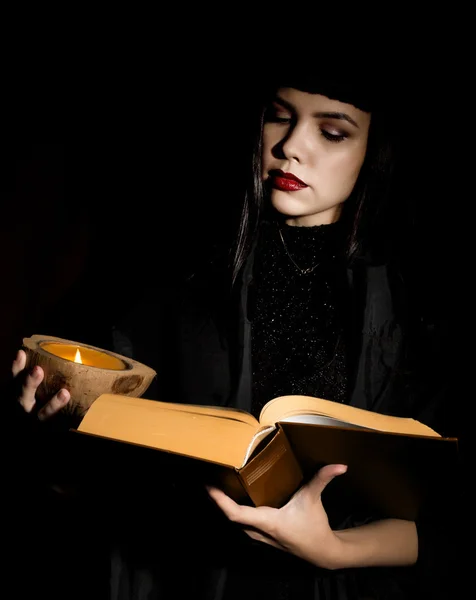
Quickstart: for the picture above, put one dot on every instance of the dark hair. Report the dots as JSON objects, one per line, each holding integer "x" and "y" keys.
{"x": 366, "y": 213}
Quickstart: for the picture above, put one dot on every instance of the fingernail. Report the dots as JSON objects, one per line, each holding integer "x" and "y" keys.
{"x": 35, "y": 372}
{"x": 63, "y": 395}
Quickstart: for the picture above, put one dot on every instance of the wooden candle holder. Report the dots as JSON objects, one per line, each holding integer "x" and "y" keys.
{"x": 100, "y": 372}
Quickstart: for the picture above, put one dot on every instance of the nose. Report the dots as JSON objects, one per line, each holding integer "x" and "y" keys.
{"x": 297, "y": 145}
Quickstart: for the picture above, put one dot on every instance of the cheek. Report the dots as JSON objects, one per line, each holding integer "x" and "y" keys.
{"x": 347, "y": 168}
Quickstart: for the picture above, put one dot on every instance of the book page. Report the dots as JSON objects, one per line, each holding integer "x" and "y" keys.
{"x": 320, "y": 420}
{"x": 209, "y": 433}
{"x": 292, "y": 407}
{"x": 259, "y": 436}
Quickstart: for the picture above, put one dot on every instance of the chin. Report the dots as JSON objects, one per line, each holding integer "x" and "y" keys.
{"x": 288, "y": 206}
{"x": 300, "y": 213}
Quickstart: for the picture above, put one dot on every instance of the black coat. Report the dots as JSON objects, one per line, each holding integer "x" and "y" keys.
{"x": 198, "y": 340}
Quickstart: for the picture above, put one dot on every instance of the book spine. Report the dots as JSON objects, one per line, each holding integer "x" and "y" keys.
{"x": 273, "y": 475}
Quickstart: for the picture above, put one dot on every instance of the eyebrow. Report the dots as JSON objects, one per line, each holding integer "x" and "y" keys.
{"x": 335, "y": 115}
{"x": 321, "y": 115}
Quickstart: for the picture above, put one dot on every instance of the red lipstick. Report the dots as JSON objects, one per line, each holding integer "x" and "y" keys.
{"x": 286, "y": 182}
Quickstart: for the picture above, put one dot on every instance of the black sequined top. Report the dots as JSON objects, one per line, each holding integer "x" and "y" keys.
{"x": 298, "y": 325}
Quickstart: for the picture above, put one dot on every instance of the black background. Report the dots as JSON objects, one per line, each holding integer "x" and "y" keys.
{"x": 116, "y": 175}
{"x": 116, "y": 193}
{"x": 130, "y": 180}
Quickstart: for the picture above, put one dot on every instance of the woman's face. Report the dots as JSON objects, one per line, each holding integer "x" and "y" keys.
{"x": 313, "y": 150}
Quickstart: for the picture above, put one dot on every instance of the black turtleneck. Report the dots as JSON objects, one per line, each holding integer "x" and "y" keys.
{"x": 298, "y": 319}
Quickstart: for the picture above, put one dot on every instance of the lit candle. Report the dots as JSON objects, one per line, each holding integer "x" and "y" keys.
{"x": 84, "y": 355}
{"x": 85, "y": 371}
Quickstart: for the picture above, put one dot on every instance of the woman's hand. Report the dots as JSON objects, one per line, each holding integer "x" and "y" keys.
{"x": 300, "y": 527}
{"x": 28, "y": 384}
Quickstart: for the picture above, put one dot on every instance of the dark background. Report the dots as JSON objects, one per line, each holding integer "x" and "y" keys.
{"x": 125, "y": 191}
{"x": 117, "y": 162}
{"x": 126, "y": 198}
{"x": 120, "y": 184}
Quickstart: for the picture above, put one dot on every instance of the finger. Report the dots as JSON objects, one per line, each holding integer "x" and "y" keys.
{"x": 19, "y": 363}
{"x": 323, "y": 477}
{"x": 30, "y": 385}
{"x": 259, "y": 518}
{"x": 54, "y": 405}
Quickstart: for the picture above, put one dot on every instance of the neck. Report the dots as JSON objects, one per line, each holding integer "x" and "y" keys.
{"x": 324, "y": 218}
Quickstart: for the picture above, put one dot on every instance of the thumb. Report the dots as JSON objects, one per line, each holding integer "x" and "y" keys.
{"x": 19, "y": 363}
{"x": 323, "y": 477}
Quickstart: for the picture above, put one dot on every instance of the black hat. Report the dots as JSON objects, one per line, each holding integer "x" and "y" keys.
{"x": 365, "y": 87}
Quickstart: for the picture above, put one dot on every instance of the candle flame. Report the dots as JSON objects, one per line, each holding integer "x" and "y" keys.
{"x": 77, "y": 357}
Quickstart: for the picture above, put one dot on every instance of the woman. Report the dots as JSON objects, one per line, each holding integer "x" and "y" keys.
{"x": 316, "y": 302}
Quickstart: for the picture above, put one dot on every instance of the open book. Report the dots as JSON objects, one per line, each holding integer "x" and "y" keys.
{"x": 392, "y": 461}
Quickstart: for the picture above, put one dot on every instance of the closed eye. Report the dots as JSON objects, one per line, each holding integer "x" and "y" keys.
{"x": 333, "y": 137}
